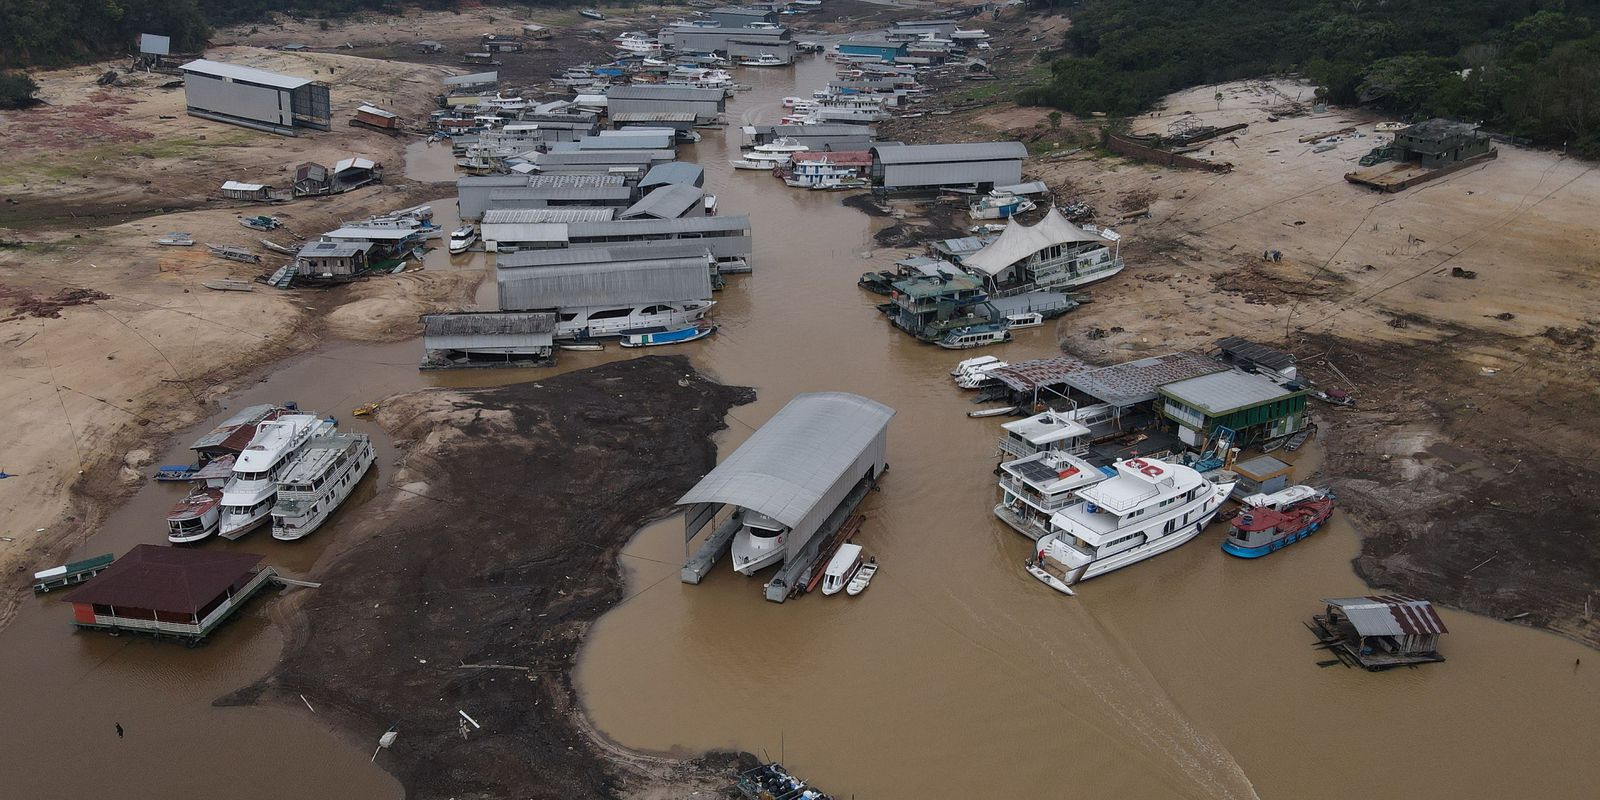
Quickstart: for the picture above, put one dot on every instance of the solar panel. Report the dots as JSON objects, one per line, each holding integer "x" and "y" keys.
{"x": 1036, "y": 471}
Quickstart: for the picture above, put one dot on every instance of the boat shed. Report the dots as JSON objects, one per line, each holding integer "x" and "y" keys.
{"x": 505, "y": 238}
{"x": 473, "y": 192}
{"x": 168, "y": 591}
{"x": 726, "y": 236}
{"x": 659, "y": 139}
{"x": 256, "y": 98}
{"x": 928, "y": 167}
{"x": 816, "y": 137}
{"x": 476, "y": 81}
{"x": 878, "y": 47}
{"x": 534, "y": 216}
{"x": 599, "y": 161}
{"x": 674, "y": 173}
{"x": 603, "y": 254}
{"x": 1133, "y": 382}
{"x": 742, "y": 17}
{"x": 1025, "y": 380}
{"x": 665, "y": 280}
{"x": 1256, "y": 407}
{"x": 557, "y": 196}
{"x": 680, "y": 122}
{"x": 807, "y": 468}
{"x": 707, "y": 104}
{"x": 668, "y": 202}
{"x": 1381, "y": 631}
{"x": 254, "y": 192}
{"x": 472, "y": 338}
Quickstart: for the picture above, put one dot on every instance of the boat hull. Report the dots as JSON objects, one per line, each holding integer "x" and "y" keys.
{"x": 751, "y": 554}
{"x": 330, "y": 502}
{"x": 1100, "y": 566}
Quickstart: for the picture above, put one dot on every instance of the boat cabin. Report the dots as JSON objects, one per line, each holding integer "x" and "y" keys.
{"x": 1034, "y": 488}
{"x": 1046, "y": 431}
{"x": 1382, "y": 631}
{"x": 840, "y": 568}
{"x": 1141, "y": 487}
{"x": 929, "y": 307}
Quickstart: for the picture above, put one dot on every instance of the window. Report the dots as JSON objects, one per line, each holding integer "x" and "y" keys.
{"x": 611, "y": 313}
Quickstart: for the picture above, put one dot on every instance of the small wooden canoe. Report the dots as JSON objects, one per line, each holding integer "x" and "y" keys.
{"x": 229, "y": 285}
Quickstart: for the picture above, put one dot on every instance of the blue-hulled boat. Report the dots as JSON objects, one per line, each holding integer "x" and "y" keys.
{"x": 1271, "y": 522}
{"x": 661, "y": 336}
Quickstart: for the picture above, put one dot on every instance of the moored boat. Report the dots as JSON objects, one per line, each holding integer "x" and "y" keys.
{"x": 863, "y": 577}
{"x": 758, "y": 544}
{"x": 975, "y": 336}
{"x": 661, "y": 337}
{"x": 1271, "y": 522}
{"x": 198, "y": 515}
{"x": 249, "y": 494}
{"x": 1025, "y": 319}
{"x": 176, "y": 239}
{"x": 318, "y": 482}
{"x": 462, "y": 238}
{"x": 841, "y": 568}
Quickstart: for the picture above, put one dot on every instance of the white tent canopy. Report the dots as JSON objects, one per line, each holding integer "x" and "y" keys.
{"x": 1018, "y": 241}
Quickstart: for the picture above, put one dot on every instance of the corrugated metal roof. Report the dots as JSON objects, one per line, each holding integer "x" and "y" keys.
{"x": 627, "y": 140}
{"x": 1136, "y": 381}
{"x": 784, "y": 468}
{"x": 602, "y": 254}
{"x": 472, "y": 79}
{"x": 376, "y": 112}
{"x": 1019, "y": 241}
{"x": 334, "y": 249}
{"x": 940, "y": 153}
{"x": 170, "y": 579}
{"x": 572, "y": 286}
{"x": 1255, "y": 352}
{"x": 798, "y": 131}
{"x": 674, "y": 172}
{"x": 356, "y": 162}
{"x": 373, "y": 234}
{"x": 250, "y": 415}
{"x": 660, "y": 92}
{"x": 594, "y": 193}
{"x": 234, "y": 72}
{"x": 1390, "y": 615}
{"x": 652, "y": 227}
{"x": 602, "y": 157}
{"x": 479, "y": 323}
{"x": 525, "y": 232}
{"x": 1225, "y": 392}
{"x": 1027, "y": 376}
{"x": 653, "y": 116}
{"x": 666, "y": 202}
{"x": 573, "y": 180}
{"x": 528, "y": 216}
{"x": 236, "y": 186}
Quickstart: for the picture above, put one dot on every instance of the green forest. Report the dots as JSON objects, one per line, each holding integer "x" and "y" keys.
{"x": 1527, "y": 68}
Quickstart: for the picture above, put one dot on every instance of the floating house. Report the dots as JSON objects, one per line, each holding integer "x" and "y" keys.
{"x": 1249, "y": 408}
{"x": 311, "y": 178}
{"x": 877, "y": 47}
{"x": 231, "y": 435}
{"x": 930, "y": 167}
{"x": 673, "y": 173}
{"x": 1263, "y": 474}
{"x": 806, "y": 469}
{"x": 929, "y": 307}
{"x": 487, "y": 338}
{"x": 169, "y": 591}
{"x": 1380, "y": 632}
{"x": 579, "y": 289}
{"x": 727, "y": 236}
{"x": 680, "y": 122}
{"x": 706, "y": 104}
{"x": 1053, "y": 254}
{"x": 1440, "y": 142}
{"x": 668, "y": 202}
{"x": 589, "y": 162}
{"x": 355, "y": 172}
{"x": 333, "y": 259}
{"x": 256, "y": 98}
{"x": 371, "y": 116}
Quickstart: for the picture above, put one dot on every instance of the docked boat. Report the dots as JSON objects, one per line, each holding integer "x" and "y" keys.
{"x": 999, "y": 205}
{"x": 1150, "y": 507}
{"x": 462, "y": 238}
{"x": 1025, "y": 319}
{"x": 1034, "y": 488}
{"x": 975, "y": 336}
{"x": 756, "y": 159}
{"x": 979, "y": 375}
{"x": 229, "y": 285}
{"x": 758, "y": 544}
{"x": 863, "y": 577}
{"x": 590, "y": 322}
{"x": 1271, "y": 522}
{"x": 969, "y": 364}
{"x": 198, "y": 515}
{"x": 785, "y": 145}
{"x": 661, "y": 337}
{"x": 764, "y": 60}
{"x": 320, "y": 479}
{"x": 249, "y": 494}
{"x": 745, "y": 163}
{"x": 841, "y": 568}
{"x": 278, "y": 248}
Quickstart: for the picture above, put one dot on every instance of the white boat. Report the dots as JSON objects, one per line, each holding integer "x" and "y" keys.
{"x": 176, "y": 239}
{"x": 758, "y": 544}
{"x": 765, "y": 60}
{"x": 999, "y": 205}
{"x": 198, "y": 515}
{"x": 639, "y": 47}
{"x": 969, "y": 364}
{"x": 248, "y": 496}
{"x": 1034, "y": 488}
{"x": 841, "y": 568}
{"x": 318, "y": 481}
{"x": 975, "y": 336}
{"x": 979, "y": 375}
{"x": 759, "y": 159}
{"x": 1025, "y": 319}
{"x": 863, "y": 577}
{"x": 783, "y": 144}
{"x": 745, "y": 163}
{"x": 1150, "y": 507}
{"x": 590, "y": 13}
{"x": 590, "y": 322}
{"x": 461, "y": 239}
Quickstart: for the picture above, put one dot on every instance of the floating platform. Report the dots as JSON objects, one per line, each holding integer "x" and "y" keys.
{"x": 715, "y": 547}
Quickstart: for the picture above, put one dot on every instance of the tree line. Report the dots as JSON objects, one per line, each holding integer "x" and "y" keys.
{"x": 1527, "y": 68}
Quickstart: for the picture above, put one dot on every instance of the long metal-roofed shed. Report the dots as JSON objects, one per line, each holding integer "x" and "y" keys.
{"x": 674, "y": 173}
{"x": 169, "y": 591}
{"x": 570, "y": 286}
{"x": 483, "y": 338}
{"x": 256, "y": 98}
{"x": 706, "y": 104}
{"x": 548, "y": 214}
{"x": 231, "y": 435}
{"x": 1256, "y": 407}
{"x": 1134, "y": 382}
{"x": 807, "y": 468}
{"x": 1249, "y": 355}
{"x": 472, "y": 192}
{"x": 933, "y": 166}
{"x": 668, "y": 202}
{"x": 603, "y": 254}
{"x": 589, "y": 161}
{"x": 476, "y": 80}
{"x": 816, "y": 137}
{"x": 727, "y": 236}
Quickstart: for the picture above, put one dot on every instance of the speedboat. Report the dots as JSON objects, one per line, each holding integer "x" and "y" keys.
{"x": 1271, "y": 522}
{"x": 841, "y": 568}
{"x": 765, "y": 60}
{"x": 461, "y": 239}
{"x": 249, "y": 494}
{"x": 758, "y": 544}
{"x": 979, "y": 375}
{"x": 785, "y": 145}
{"x": 1149, "y": 507}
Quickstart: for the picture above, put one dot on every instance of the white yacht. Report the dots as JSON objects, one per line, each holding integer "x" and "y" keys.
{"x": 783, "y": 144}
{"x": 979, "y": 375}
{"x": 841, "y": 568}
{"x": 1033, "y": 489}
{"x": 247, "y": 498}
{"x": 318, "y": 481}
{"x": 461, "y": 239}
{"x": 589, "y": 322}
{"x": 761, "y": 160}
{"x": 1150, "y": 507}
{"x": 758, "y": 544}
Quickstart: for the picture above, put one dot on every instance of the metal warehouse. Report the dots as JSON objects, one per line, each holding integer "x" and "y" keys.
{"x": 932, "y": 166}
{"x": 668, "y": 202}
{"x": 486, "y": 337}
{"x": 255, "y": 98}
{"x": 707, "y": 104}
{"x": 806, "y": 469}
{"x": 541, "y": 196}
{"x": 472, "y": 192}
{"x": 603, "y": 254}
{"x": 816, "y": 137}
{"x": 588, "y": 161}
{"x": 674, "y": 173}
{"x": 727, "y": 237}
{"x": 605, "y": 285}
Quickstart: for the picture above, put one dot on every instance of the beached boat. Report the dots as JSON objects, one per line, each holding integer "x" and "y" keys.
{"x": 176, "y": 239}
{"x": 998, "y": 205}
{"x": 234, "y": 253}
{"x": 975, "y": 336}
{"x": 758, "y": 544}
{"x": 863, "y": 577}
{"x": 841, "y": 568}
{"x": 1150, "y": 507}
{"x": 249, "y": 494}
{"x": 277, "y": 248}
{"x": 366, "y": 410}
{"x": 229, "y": 285}
{"x": 320, "y": 479}
{"x": 261, "y": 222}
{"x": 462, "y": 238}
{"x": 1026, "y": 319}
{"x": 590, "y": 13}
{"x": 1336, "y": 397}
{"x": 660, "y": 337}
{"x": 1271, "y": 522}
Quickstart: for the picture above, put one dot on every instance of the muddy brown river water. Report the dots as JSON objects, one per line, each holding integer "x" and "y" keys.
{"x": 956, "y": 675}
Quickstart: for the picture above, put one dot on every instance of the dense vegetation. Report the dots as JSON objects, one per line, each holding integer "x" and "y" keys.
{"x": 1523, "y": 67}
{"x": 52, "y": 32}
{"x": 16, "y": 90}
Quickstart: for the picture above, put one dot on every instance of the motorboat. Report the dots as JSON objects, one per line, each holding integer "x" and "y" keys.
{"x": 462, "y": 238}
{"x": 759, "y": 543}
{"x": 975, "y": 336}
{"x": 765, "y": 60}
{"x": 199, "y": 514}
{"x": 863, "y": 577}
{"x": 1025, "y": 319}
{"x": 757, "y": 159}
{"x": 661, "y": 337}
{"x": 589, "y": 322}
{"x": 969, "y": 364}
{"x": 747, "y": 163}
{"x": 841, "y": 568}
{"x": 785, "y": 145}
{"x": 979, "y": 375}
{"x": 1034, "y": 488}
{"x": 318, "y": 482}
{"x": 999, "y": 205}
{"x": 248, "y": 496}
{"x": 1271, "y": 522}
{"x": 1150, "y": 507}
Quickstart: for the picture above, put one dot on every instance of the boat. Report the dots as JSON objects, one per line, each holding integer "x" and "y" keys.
{"x": 836, "y": 184}
{"x": 758, "y": 544}
{"x": 260, "y": 222}
{"x": 70, "y": 573}
{"x": 743, "y": 163}
{"x": 999, "y": 205}
{"x": 1336, "y": 397}
{"x": 234, "y": 253}
{"x": 318, "y": 481}
{"x": 229, "y": 285}
{"x": 277, "y": 248}
{"x": 783, "y": 144}
{"x": 1025, "y": 319}
{"x": 582, "y": 347}
{"x": 249, "y": 494}
{"x": 979, "y": 375}
{"x": 586, "y": 323}
{"x": 764, "y": 60}
{"x": 1271, "y": 522}
{"x": 863, "y": 577}
{"x": 198, "y": 515}
{"x": 654, "y": 338}
{"x": 176, "y": 239}
{"x": 878, "y": 282}
{"x": 462, "y": 238}
{"x": 176, "y": 472}
{"x": 1035, "y": 487}
{"x": 841, "y": 568}
{"x": 967, "y": 365}
{"x": 975, "y": 336}
{"x": 590, "y": 13}
{"x": 1148, "y": 508}
{"x": 364, "y": 410}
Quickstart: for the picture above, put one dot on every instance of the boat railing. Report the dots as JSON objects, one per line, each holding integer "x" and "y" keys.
{"x": 1035, "y": 497}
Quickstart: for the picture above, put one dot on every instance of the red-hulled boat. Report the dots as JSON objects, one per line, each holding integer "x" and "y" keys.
{"x": 1270, "y": 522}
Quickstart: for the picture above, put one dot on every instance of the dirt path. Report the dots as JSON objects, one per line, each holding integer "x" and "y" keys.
{"x": 472, "y": 590}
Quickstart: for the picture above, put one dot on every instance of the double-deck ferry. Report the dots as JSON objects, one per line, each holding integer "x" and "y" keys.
{"x": 200, "y": 513}
{"x": 1271, "y": 522}
{"x": 248, "y": 496}
{"x": 318, "y": 481}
